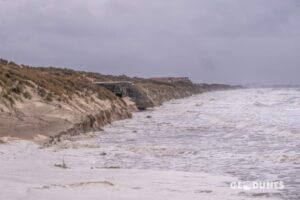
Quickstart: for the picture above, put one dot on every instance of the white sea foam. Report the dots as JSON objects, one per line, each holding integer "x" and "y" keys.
{"x": 191, "y": 148}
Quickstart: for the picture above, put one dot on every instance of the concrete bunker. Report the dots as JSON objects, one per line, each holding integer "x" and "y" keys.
{"x": 128, "y": 89}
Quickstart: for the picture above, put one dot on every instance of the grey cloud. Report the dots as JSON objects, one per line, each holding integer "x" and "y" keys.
{"x": 208, "y": 40}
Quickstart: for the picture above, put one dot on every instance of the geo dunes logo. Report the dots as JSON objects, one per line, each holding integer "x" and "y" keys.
{"x": 257, "y": 185}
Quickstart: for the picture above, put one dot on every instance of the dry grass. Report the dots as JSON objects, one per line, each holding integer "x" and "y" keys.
{"x": 50, "y": 83}
{"x": 61, "y": 84}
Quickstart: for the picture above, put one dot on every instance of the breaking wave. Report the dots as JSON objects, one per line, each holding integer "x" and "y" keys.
{"x": 251, "y": 134}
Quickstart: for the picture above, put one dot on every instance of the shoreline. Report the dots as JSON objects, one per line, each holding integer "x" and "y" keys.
{"x": 60, "y": 103}
{"x": 88, "y": 125}
{"x": 100, "y": 163}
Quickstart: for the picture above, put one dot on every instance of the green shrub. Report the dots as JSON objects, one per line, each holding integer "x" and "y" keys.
{"x": 9, "y": 98}
{"x": 18, "y": 89}
{"x": 12, "y": 63}
{"x": 49, "y": 97}
{"x": 3, "y": 62}
{"x": 42, "y": 92}
{"x": 27, "y": 95}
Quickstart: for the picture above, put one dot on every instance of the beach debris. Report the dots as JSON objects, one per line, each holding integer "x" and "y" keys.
{"x": 103, "y": 154}
{"x": 62, "y": 165}
{"x": 74, "y": 185}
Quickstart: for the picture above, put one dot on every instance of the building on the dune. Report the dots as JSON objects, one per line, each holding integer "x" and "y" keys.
{"x": 171, "y": 79}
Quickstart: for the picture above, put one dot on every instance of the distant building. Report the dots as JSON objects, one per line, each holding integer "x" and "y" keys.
{"x": 171, "y": 79}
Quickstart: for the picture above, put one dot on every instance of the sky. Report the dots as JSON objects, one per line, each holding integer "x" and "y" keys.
{"x": 220, "y": 41}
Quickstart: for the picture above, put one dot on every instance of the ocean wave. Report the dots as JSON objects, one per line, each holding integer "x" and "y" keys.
{"x": 259, "y": 104}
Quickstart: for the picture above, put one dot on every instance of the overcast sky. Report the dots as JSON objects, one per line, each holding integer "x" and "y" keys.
{"x": 230, "y": 41}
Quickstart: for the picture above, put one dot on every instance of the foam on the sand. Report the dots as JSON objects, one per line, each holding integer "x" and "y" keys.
{"x": 29, "y": 172}
{"x": 163, "y": 153}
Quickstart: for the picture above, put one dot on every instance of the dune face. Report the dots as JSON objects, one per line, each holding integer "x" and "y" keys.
{"x": 47, "y": 101}
{"x": 59, "y": 102}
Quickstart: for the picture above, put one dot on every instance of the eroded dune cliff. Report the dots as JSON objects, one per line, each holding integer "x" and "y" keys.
{"x": 56, "y": 102}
